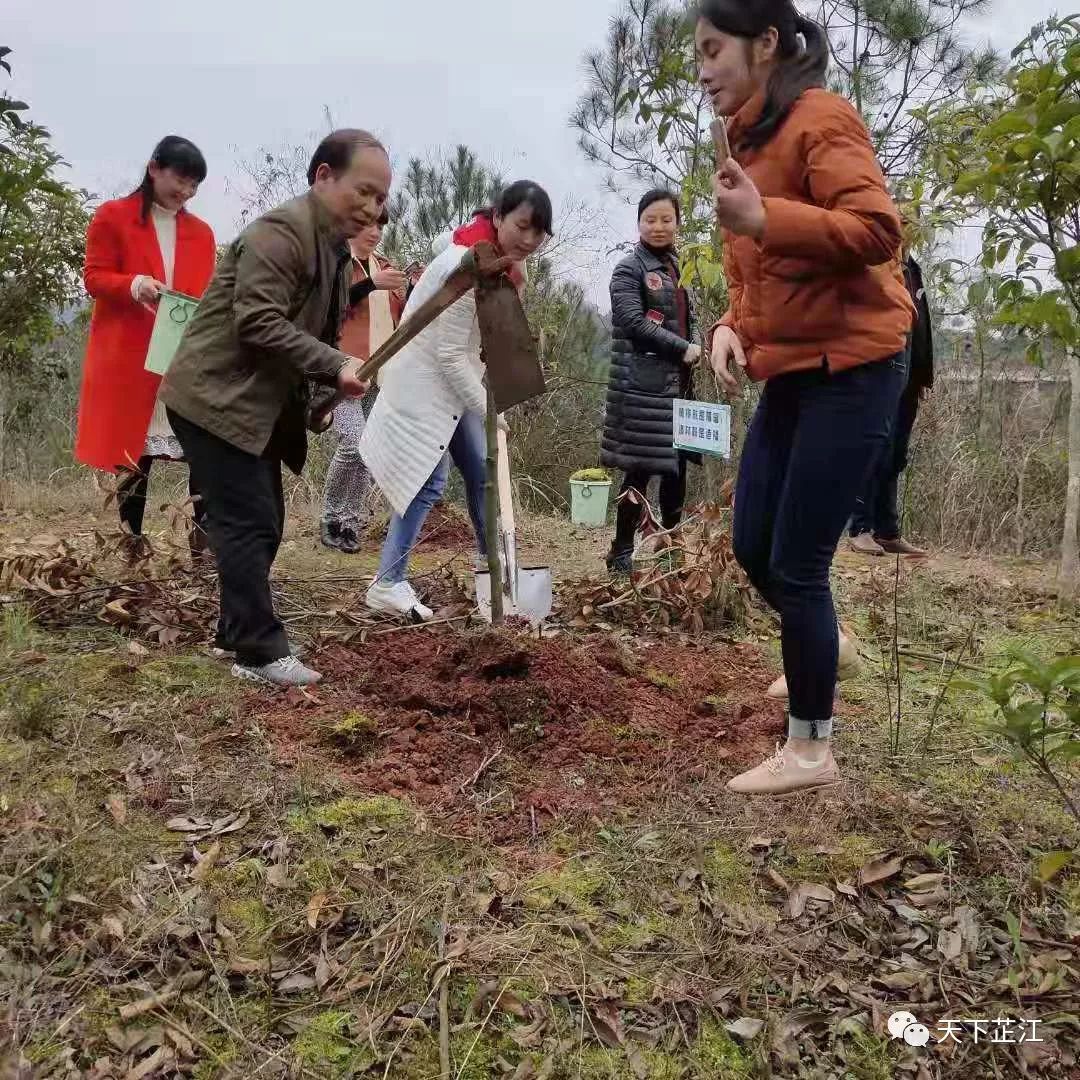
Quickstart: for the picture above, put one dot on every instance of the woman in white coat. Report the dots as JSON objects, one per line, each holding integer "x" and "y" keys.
{"x": 432, "y": 401}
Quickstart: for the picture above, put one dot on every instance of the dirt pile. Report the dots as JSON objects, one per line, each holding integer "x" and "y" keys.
{"x": 446, "y": 528}
{"x": 524, "y": 729}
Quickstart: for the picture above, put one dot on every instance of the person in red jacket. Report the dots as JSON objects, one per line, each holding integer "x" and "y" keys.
{"x": 135, "y": 247}
{"x": 819, "y": 311}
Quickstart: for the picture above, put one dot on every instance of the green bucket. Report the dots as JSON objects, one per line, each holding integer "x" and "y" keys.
{"x": 175, "y": 311}
{"x": 589, "y": 501}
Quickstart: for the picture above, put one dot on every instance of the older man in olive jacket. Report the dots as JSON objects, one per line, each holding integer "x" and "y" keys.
{"x": 238, "y": 391}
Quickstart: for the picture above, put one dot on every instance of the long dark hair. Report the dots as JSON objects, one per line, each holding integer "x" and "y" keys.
{"x": 523, "y": 192}
{"x": 180, "y": 155}
{"x": 799, "y": 65}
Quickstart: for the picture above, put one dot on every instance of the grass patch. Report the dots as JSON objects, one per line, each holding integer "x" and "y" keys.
{"x": 354, "y": 731}
{"x": 718, "y": 1055}
{"x": 250, "y": 920}
{"x": 662, "y": 679}
{"x": 728, "y": 874}
{"x": 325, "y": 1045}
{"x": 574, "y": 885}
{"x": 351, "y": 815}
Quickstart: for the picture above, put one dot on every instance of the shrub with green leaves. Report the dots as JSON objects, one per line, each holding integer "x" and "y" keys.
{"x": 1038, "y": 714}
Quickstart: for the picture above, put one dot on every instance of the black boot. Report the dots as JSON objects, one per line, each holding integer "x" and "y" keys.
{"x": 620, "y": 562}
{"x": 348, "y": 541}
{"x": 331, "y": 534}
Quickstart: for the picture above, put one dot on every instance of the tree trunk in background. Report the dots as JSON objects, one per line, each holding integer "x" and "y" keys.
{"x": 1069, "y": 574}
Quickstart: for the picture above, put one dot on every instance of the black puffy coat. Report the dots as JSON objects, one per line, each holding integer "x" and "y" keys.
{"x": 647, "y": 370}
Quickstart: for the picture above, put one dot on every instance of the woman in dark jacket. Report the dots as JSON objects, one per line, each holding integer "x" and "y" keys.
{"x": 652, "y": 351}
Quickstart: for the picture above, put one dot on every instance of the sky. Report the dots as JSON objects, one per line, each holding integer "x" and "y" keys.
{"x": 110, "y": 77}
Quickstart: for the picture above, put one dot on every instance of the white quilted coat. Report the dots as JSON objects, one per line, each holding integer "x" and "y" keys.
{"x": 426, "y": 389}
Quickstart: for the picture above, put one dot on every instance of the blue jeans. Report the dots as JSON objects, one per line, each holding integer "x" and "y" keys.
{"x": 811, "y": 443}
{"x": 468, "y": 451}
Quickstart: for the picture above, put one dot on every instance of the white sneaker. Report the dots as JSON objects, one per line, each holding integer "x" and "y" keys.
{"x": 230, "y": 654}
{"x": 397, "y": 599}
{"x": 286, "y": 672}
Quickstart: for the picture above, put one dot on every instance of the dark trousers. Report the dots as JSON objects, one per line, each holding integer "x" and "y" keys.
{"x": 628, "y": 514}
{"x": 877, "y": 511}
{"x": 131, "y": 497}
{"x": 245, "y": 519}
{"x": 805, "y": 460}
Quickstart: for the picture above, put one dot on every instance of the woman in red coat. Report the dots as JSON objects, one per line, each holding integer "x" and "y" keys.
{"x": 135, "y": 247}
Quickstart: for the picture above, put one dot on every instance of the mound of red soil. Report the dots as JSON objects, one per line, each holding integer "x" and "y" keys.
{"x": 445, "y": 529}
{"x": 578, "y": 726}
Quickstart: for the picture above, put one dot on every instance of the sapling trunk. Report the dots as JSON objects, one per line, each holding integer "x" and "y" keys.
{"x": 491, "y": 511}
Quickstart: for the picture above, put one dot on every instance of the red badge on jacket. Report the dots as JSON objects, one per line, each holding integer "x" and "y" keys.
{"x": 654, "y": 282}
{"x": 655, "y": 316}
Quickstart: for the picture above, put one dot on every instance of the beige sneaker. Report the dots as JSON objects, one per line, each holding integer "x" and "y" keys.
{"x": 865, "y": 544}
{"x": 849, "y": 664}
{"x": 784, "y": 772}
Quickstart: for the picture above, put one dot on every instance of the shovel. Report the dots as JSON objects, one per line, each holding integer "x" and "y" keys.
{"x": 504, "y": 330}
{"x": 527, "y": 590}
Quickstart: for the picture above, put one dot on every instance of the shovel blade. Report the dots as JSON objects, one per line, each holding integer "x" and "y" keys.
{"x": 534, "y": 594}
{"x": 513, "y": 365}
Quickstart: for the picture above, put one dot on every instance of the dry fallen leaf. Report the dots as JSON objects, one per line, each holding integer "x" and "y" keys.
{"x": 296, "y": 984}
{"x": 924, "y": 882}
{"x": 607, "y": 1023}
{"x": 530, "y": 1036}
{"x": 805, "y": 891}
{"x": 877, "y": 870}
{"x": 745, "y": 1028}
{"x": 905, "y": 911}
{"x": 230, "y": 823}
{"x": 207, "y": 862}
{"x": 687, "y": 879}
{"x": 241, "y": 965}
{"x": 118, "y": 808}
{"x": 785, "y": 1041}
{"x": 950, "y": 944}
{"x": 777, "y": 880}
{"x": 900, "y": 980}
{"x": 315, "y": 905}
{"x": 278, "y": 876}
{"x": 158, "y": 1061}
{"x": 113, "y": 927}
{"x": 188, "y": 824}
{"x": 323, "y": 971}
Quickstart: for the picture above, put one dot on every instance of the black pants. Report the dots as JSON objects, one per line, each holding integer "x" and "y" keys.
{"x": 805, "y": 459}
{"x": 627, "y": 516}
{"x": 876, "y": 511}
{"x": 245, "y": 519}
{"x": 131, "y": 496}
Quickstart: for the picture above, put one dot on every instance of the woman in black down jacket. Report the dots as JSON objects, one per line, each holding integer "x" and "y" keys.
{"x": 652, "y": 351}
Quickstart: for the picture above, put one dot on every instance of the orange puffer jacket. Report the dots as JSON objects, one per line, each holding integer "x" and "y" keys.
{"x": 825, "y": 282}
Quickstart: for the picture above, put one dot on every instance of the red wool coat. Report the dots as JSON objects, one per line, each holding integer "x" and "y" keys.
{"x": 118, "y": 393}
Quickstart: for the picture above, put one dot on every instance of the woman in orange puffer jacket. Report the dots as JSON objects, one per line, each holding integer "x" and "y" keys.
{"x": 818, "y": 309}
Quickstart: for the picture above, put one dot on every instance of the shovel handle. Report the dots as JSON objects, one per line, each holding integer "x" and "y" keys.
{"x": 476, "y": 264}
